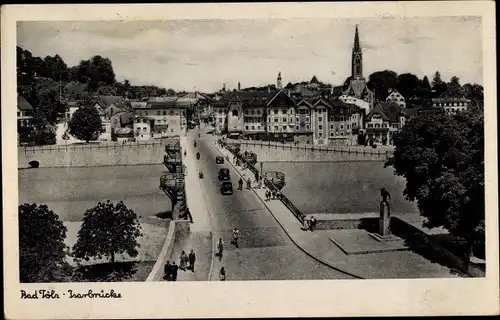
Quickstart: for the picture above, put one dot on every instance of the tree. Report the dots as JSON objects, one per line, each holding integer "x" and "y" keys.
{"x": 41, "y": 244}
{"x": 407, "y": 85}
{"x": 475, "y": 93}
{"x": 425, "y": 83}
{"x": 453, "y": 88}
{"x": 438, "y": 85}
{"x": 381, "y": 82}
{"x": 442, "y": 159}
{"x": 107, "y": 230}
{"x": 47, "y": 102}
{"x": 85, "y": 124}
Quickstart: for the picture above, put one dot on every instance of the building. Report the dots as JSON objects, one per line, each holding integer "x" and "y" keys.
{"x": 396, "y": 97}
{"x": 451, "y": 105}
{"x": 24, "y": 113}
{"x": 220, "y": 116}
{"x": 383, "y": 121}
{"x": 71, "y": 107}
{"x": 142, "y": 128}
{"x": 281, "y": 116}
{"x": 357, "y": 84}
{"x": 303, "y": 122}
{"x": 336, "y": 122}
{"x": 159, "y": 118}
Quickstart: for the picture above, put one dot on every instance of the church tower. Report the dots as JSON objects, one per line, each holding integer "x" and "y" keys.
{"x": 278, "y": 82}
{"x": 357, "y": 58}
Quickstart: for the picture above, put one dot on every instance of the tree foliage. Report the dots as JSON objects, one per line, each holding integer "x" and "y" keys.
{"x": 85, "y": 124}
{"x": 442, "y": 160}
{"x": 381, "y": 82}
{"x": 107, "y": 230}
{"x": 41, "y": 244}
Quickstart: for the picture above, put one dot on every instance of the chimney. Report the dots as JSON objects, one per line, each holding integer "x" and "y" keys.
{"x": 239, "y": 86}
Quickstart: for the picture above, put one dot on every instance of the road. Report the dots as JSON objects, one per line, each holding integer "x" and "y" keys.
{"x": 265, "y": 251}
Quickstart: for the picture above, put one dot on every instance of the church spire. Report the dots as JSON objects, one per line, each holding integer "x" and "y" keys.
{"x": 278, "y": 82}
{"x": 357, "y": 58}
{"x": 356, "y": 40}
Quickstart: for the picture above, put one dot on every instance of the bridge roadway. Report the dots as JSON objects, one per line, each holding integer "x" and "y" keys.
{"x": 265, "y": 251}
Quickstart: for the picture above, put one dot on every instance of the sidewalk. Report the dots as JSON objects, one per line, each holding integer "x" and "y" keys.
{"x": 199, "y": 238}
{"x": 384, "y": 265}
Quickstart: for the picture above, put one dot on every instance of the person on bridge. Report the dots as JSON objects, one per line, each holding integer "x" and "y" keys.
{"x": 185, "y": 153}
{"x": 197, "y": 155}
{"x": 183, "y": 261}
{"x": 249, "y": 183}
{"x": 240, "y": 184}
{"x": 222, "y": 274}
{"x": 192, "y": 259}
{"x": 167, "y": 271}
{"x": 236, "y": 234}
{"x": 220, "y": 248}
{"x": 175, "y": 268}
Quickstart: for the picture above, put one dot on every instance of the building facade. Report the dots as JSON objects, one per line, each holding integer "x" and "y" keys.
{"x": 451, "y": 105}
{"x": 396, "y": 97}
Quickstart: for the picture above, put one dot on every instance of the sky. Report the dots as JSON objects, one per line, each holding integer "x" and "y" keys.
{"x": 203, "y": 54}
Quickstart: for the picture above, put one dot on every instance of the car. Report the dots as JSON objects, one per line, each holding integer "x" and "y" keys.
{"x": 226, "y": 187}
{"x": 224, "y": 174}
{"x": 219, "y": 160}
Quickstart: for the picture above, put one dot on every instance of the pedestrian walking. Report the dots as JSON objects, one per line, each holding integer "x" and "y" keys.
{"x": 192, "y": 260}
{"x": 257, "y": 177}
{"x": 273, "y": 194}
{"x": 312, "y": 223}
{"x": 306, "y": 224}
{"x": 167, "y": 271}
{"x": 183, "y": 261}
{"x": 222, "y": 274}
{"x": 220, "y": 248}
{"x": 175, "y": 269}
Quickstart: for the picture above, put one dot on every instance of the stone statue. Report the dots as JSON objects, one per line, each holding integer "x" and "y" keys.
{"x": 385, "y": 213}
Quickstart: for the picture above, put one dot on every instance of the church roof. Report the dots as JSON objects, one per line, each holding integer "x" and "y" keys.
{"x": 314, "y": 80}
{"x": 357, "y": 88}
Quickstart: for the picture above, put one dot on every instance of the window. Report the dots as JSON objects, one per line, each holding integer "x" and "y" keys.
{"x": 341, "y": 133}
{"x": 341, "y": 118}
{"x": 158, "y": 113}
{"x": 284, "y": 128}
{"x": 307, "y": 127}
{"x": 332, "y": 126}
{"x": 384, "y": 125}
{"x": 284, "y": 119}
{"x": 320, "y": 110}
{"x": 275, "y": 128}
{"x": 18, "y": 114}
{"x": 245, "y": 111}
{"x": 144, "y": 129}
{"x": 307, "y": 119}
{"x": 377, "y": 125}
{"x": 220, "y": 120}
{"x": 296, "y": 127}
{"x": 341, "y": 110}
{"x": 319, "y": 134}
{"x": 164, "y": 113}
{"x": 320, "y": 119}
{"x": 341, "y": 126}
{"x": 253, "y": 127}
{"x": 235, "y": 113}
{"x": 144, "y": 120}
{"x": 291, "y": 119}
{"x": 253, "y": 111}
{"x": 171, "y": 112}
{"x": 268, "y": 128}
{"x": 331, "y": 134}
{"x": 320, "y": 128}
{"x": 330, "y": 118}
{"x": 146, "y": 113}
{"x": 348, "y": 126}
{"x": 275, "y": 119}
{"x": 297, "y": 119}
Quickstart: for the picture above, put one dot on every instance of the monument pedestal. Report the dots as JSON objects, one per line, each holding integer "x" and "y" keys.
{"x": 384, "y": 225}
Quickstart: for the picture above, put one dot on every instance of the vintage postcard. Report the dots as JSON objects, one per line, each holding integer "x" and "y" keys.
{"x": 249, "y": 160}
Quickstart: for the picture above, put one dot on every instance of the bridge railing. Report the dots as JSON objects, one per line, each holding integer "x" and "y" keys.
{"x": 384, "y": 151}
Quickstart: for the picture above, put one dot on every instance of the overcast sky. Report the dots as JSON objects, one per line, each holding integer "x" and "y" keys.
{"x": 203, "y": 54}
